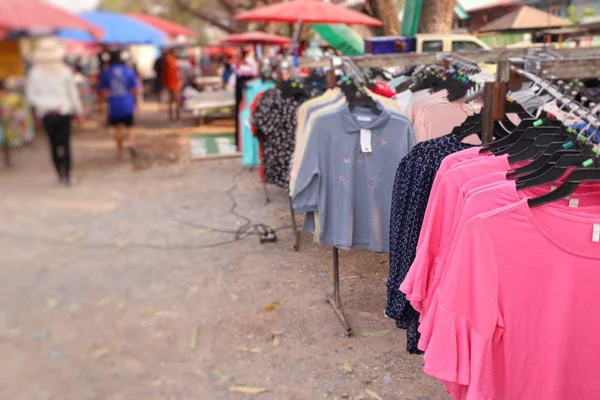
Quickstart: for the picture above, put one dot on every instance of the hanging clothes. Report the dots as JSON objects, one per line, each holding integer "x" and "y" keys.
{"x": 275, "y": 118}
{"x": 481, "y": 281}
{"x": 489, "y": 228}
{"x": 412, "y": 186}
{"x": 348, "y": 155}
{"x": 249, "y": 143}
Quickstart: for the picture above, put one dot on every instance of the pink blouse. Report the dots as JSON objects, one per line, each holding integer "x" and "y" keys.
{"x": 515, "y": 315}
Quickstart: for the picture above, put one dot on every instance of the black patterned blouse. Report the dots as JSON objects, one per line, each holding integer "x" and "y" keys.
{"x": 275, "y": 119}
{"x": 413, "y": 183}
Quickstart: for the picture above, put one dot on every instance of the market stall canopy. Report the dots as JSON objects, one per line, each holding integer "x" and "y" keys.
{"x": 217, "y": 50}
{"x": 256, "y": 37}
{"x": 164, "y": 25}
{"x": 118, "y": 29}
{"x": 39, "y": 16}
{"x": 309, "y": 12}
{"x": 342, "y": 38}
{"x": 525, "y": 18}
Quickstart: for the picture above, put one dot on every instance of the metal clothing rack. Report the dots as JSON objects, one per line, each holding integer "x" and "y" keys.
{"x": 350, "y": 68}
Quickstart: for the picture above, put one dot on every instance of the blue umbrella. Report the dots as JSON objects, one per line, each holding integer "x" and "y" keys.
{"x": 118, "y": 29}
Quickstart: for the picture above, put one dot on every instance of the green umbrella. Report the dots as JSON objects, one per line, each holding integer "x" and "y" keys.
{"x": 342, "y": 38}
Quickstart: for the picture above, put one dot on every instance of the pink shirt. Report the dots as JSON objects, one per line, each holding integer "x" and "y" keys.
{"x": 443, "y": 213}
{"x": 440, "y": 212}
{"x": 472, "y": 201}
{"x": 516, "y": 315}
{"x": 447, "y": 163}
{"x": 435, "y": 116}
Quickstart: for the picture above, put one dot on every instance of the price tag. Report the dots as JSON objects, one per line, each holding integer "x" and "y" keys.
{"x": 365, "y": 141}
{"x": 596, "y": 234}
{"x": 574, "y": 203}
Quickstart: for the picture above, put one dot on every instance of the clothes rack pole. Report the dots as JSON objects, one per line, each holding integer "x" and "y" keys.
{"x": 294, "y": 227}
{"x": 335, "y": 300}
{"x": 267, "y": 197}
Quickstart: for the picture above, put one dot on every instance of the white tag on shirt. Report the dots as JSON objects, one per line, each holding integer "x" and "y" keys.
{"x": 365, "y": 141}
{"x": 596, "y": 234}
{"x": 363, "y": 119}
{"x": 574, "y": 203}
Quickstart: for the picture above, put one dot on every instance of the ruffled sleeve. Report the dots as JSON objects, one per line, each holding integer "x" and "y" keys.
{"x": 464, "y": 320}
{"x": 420, "y": 274}
{"x": 419, "y": 278}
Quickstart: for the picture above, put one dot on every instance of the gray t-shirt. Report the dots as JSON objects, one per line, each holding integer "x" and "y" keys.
{"x": 349, "y": 187}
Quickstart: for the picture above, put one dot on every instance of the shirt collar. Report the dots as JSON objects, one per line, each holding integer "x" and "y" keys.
{"x": 351, "y": 124}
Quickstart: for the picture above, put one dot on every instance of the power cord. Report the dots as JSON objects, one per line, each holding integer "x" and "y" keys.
{"x": 265, "y": 232}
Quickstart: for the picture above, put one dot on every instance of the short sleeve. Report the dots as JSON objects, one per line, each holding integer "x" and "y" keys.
{"x": 306, "y": 192}
{"x": 420, "y": 273}
{"x": 412, "y": 140}
{"x": 466, "y": 316}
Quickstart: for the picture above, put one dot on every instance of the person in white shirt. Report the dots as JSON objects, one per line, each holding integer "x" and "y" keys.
{"x": 52, "y": 91}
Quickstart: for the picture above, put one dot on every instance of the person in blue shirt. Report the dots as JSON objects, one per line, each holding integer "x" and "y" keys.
{"x": 118, "y": 85}
{"x": 227, "y": 72}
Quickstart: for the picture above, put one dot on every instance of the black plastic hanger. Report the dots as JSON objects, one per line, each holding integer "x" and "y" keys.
{"x": 529, "y": 136}
{"x": 536, "y": 148}
{"x": 362, "y": 100}
{"x": 550, "y": 155}
{"x": 553, "y": 173}
{"x": 583, "y": 174}
{"x": 515, "y": 135}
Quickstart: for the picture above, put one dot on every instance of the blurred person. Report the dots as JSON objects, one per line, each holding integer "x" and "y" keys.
{"x": 184, "y": 66}
{"x": 245, "y": 71}
{"x": 171, "y": 81}
{"x": 158, "y": 71}
{"x": 227, "y": 72}
{"x": 51, "y": 89}
{"x": 118, "y": 85}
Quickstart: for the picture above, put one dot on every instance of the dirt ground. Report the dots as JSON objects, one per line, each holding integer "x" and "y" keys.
{"x": 118, "y": 289}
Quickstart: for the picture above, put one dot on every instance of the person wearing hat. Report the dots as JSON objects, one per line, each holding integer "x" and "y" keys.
{"x": 118, "y": 85}
{"x": 52, "y": 91}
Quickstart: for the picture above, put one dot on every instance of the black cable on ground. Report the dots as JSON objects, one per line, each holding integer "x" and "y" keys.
{"x": 244, "y": 231}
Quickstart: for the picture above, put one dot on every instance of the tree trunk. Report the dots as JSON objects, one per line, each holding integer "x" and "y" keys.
{"x": 387, "y": 12}
{"x": 437, "y": 16}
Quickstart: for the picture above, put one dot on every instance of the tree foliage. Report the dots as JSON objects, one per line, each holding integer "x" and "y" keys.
{"x": 576, "y": 17}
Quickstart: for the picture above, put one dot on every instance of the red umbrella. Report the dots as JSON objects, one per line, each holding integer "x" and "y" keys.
{"x": 82, "y": 48}
{"x": 169, "y": 27}
{"x": 218, "y": 50}
{"x": 37, "y": 15}
{"x": 308, "y": 11}
{"x": 256, "y": 37}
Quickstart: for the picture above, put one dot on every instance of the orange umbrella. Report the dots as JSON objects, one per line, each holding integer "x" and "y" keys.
{"x": 309, "y": 12}
{"x": 256, "y": 37}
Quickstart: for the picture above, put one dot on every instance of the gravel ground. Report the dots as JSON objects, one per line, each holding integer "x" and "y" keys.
{"x": 118, "y": 288}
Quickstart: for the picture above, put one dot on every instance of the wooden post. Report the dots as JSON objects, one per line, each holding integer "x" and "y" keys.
{"x": 494, "y": 97}
{"x": 330, "y": 80}
{"x": 488, "y": 117}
